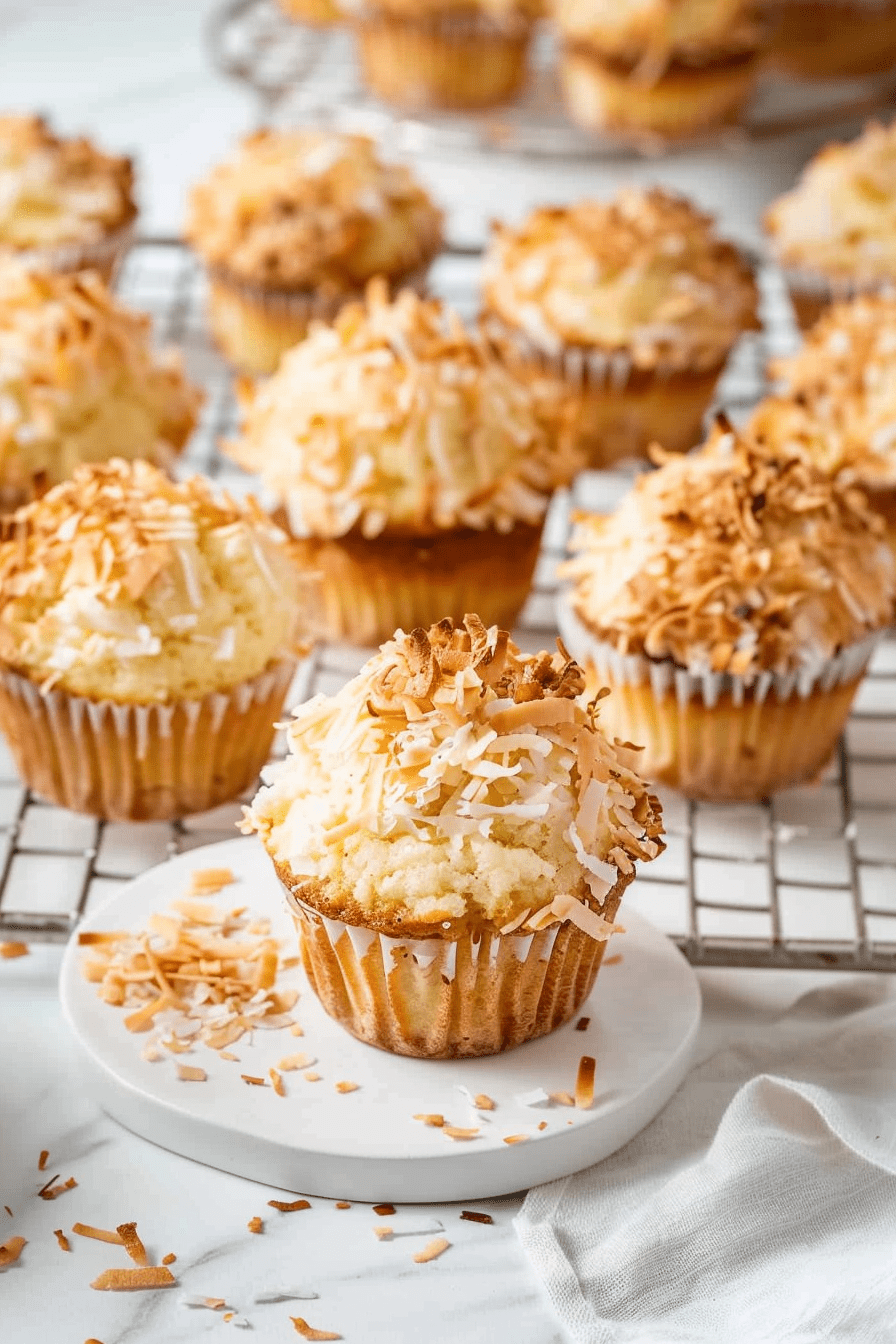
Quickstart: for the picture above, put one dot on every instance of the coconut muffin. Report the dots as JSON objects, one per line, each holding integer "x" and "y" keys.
{"x": 461, "y": 54}
{"x": 731, "y": 603}
{"x": 79, "y": 382}
{"x": 659, "y": 69}
{"x": 319, "y": 13}
{"x": 64, "y": 204}
{"x": 411, "y": 466}
{"x": 622, "y": 312}
{"x": 835, "y": 39}
{"x": 148, "y": 636}
{"x": 455, "y": 832}
{"x": 293, "y": 225}
{"x": 835, "y": 232}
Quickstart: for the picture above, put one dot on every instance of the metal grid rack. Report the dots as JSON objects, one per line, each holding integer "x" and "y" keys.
{"x": 302, "y": 74}
{"x": 806, "y": 880}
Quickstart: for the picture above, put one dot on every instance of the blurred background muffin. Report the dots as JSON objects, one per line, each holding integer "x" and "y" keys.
{"x": 292, "y": 225}
{"x": 835, "y": 39}
{"x": 64, "y": 204}
{"x": 665, "y": 69}
{"x": 731, "y": 604}
{"x": 622, "y": 314}
{"x": 835, "y": 232}
{"x": 79, "y": 382}
{"x": 318, "y": 12}
{"x": 410, "y": 464}
{"x": 148, "y": 637}
{"x": 462, "y": 54}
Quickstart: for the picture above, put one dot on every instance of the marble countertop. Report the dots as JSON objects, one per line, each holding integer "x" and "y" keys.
{"x": 138, "y": 78}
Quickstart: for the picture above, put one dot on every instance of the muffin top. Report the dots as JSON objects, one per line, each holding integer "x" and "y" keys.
{"x": 122, "y": 585}
{"x": 398, "y": 417}
{"x": 649, "y": 34}
{"x": 644, "y": 274}
{"x": 742, "y": 558}
{"x": 496, "y": 10}
{"x": 55, "y": 191}
{"x": 79, "y": 381}
{"x": 455, "y": 782}
{"x": 840, "y": 218}
{"x": 312, "y": 209}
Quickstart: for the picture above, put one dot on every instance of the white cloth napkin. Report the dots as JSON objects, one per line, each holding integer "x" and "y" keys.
{"x": 758, "y": 1208}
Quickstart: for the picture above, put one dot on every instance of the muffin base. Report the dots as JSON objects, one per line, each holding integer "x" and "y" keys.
{"x": 719, "y": 738}
{"x": 479, "y": 994}
{"x": 130, "y": 762}
{"x": 104, "y": 256}
{"x": 453, "y": 61}
{"x": 827, "y": 39}
{"x": 684, "y": 102}
{"x": 253, "y": 326}
{"x": 372, "y": 587}
{"x": 812, "y": 293}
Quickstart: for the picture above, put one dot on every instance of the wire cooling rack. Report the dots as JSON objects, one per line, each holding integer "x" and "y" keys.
{"x": 302, "y": 74}
{"x": 805, "y": 880}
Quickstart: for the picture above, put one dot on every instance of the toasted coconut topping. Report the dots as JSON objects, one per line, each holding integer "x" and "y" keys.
{"x": 648, "y": 37}
{"x": 456, "y": 779}
{"x": 838, "y": 219}
{"x": 79, "y": 381}
{"x": 397, "y": 416}
{"x": 55, "y": 191}
{"x": 739, "y": 559}
{"x": 122, "y": 585}
{"x": 839, "y": 391}
{"x": 644, "y": 275}
{"x": 312, "y": 209}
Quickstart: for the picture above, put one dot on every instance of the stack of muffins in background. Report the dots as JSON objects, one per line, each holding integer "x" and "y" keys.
{"x": 459, "y": 793}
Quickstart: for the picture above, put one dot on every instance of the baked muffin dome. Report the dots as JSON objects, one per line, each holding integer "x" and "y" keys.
{"x": 312, "y": 210}
{"x": 79, "y": 382}
{"x": 641, "y": 32}
{"x": 122, "y": 585}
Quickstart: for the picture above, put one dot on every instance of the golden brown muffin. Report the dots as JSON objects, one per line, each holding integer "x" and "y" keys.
{"x": 455, "y": 833}
{"x": 731, "y": 603}
{"x": 835, "y": 39}
{"x": 293, "y": 225}
{"x": 622, "y": 313}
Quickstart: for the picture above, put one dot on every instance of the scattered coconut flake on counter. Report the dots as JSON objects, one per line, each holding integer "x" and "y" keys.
{"x": 277, "y": 1082}
{"x": 346, "y": 1087}
{"x": 208, "y": 1303}
{"x": 583, "y": 1024}
{"x": 97, "y": 1233}
{"x": 425, "y": 1228}
{"x": 169, "y": 1259}
{"x": 188, "y": 1073}
{"x": 483, "y": 1102}
{"x": 516, "y": 1138}
{"x": 343, "y": 1204}
{"x": 294, "y": 1207}
{"x": 9, "y": 951}
{"x": 562, "y": 1098}
{"x": 255, "y": 1224}
{"x": 537, "y": 1097}
{"x": 42, "y": 1160}
{"x": 209, "y": 881}
{"x": 585, "y": 1083}
{"x": 62, "y": 1239}
{"x": 433, "y": 1121}
{"x": 9, "y": 1210}
{"x": 471, "y": 1216}
{"x": 311, "y": 1076}
{"x": 284, "y": 1295}
{"x": 301, "y": 1327}
{"x": 253, "y": 1080}
{"x": 131, "y": 1280}
{"x": 459, "y": 1134}
{"x": 289, "y": 1063}
{"x": 384, "y": 1210}
{"x": 383, "y": 1232}
{"x": 615, "y": 960}
{"x": 132, "y": 1243}
{"x": 432, "y": 1251}
{"x": 52, "y": 1191}
{"x": 10, "y": 1250}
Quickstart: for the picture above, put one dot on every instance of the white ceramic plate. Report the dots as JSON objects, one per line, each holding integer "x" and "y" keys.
{"x": 644, "y": 1013}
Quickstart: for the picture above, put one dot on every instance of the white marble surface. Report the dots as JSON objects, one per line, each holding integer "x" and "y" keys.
{"x": 137, "y": 76}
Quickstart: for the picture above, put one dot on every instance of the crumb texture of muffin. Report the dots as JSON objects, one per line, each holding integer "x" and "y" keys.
{"x": 839, "y": 219}
{"x": 79, "y": 382}
{"x": 312, "y": 210}
{"x": 741, "y": 559}
{"x": 398, "y": 418}
{"x": 456, "y": 781}
{"x": 56, "y": 191}
{"x": 121, "y": 585}
{"x": 644, "y": 274}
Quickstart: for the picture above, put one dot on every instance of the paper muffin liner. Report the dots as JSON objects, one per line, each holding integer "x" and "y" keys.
{"x": 684, "y": 103}
{"x": 835, "y": 39}
{"x": 453, "y": 60}
{"x": 142, "y": 762}
{"x": 253, "y": 326}
{"x": 612, "y": 408}
{"x": 812, "y": 293}
{"x": 712, "y": 735}
{"x": 104, "y": 256}
{"x": 373, "y": 586}
{"x": 479, "y": 994}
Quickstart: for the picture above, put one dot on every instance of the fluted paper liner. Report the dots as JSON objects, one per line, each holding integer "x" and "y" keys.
{"x": 716, "y": 736}
{"x": 104, "y": 256}
{"x": 142, "y": 762}
{"x": 812, "y": 292}
{"x": 437, "y": 998}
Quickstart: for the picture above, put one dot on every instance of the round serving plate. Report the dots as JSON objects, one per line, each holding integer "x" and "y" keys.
{"x": 642, "y": 1019}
